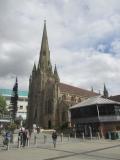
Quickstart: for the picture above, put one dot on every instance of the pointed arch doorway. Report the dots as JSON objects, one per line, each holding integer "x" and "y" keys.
{"x": 49, "y": 124}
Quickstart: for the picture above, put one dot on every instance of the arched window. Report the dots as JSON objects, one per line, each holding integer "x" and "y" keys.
{"x": 79, "y": 100}
{"x": 73, "y": 98}
{"x": 63, "y": 116}
{"x": 50, "y": 107}
{"x": 64, "y": 97}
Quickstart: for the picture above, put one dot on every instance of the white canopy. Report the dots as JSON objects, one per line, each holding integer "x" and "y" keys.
{"x": 94, "y": 101}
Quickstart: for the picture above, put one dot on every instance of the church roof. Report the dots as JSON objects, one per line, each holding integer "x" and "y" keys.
{"x": 94, "y": 101}
{"x": 75, "y": 90}
{"x": 115, "y": 98}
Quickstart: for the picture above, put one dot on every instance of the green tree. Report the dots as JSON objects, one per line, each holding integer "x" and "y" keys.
{"x": 14, "y": 99}
{"x": 2, "y": 105}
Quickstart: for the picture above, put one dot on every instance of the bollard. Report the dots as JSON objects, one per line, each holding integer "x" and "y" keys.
{"x": 61, "y": 136}
{"x": 98, "y": 134}
{"x": 28, "y": 142}
{"x": 19, "y": 142}
{"x": 45, "y": 139}
{"x": 8, "y": 146}
{"x": 83, "y": 136}
{"x": 90, "y": 132}
{"x": 35, "y": 140}
{"x": 75, "y": 135}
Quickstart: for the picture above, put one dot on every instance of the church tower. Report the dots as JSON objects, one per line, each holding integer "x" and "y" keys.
{"x": 43, "y": 89}
{"x": 48, "y": 99}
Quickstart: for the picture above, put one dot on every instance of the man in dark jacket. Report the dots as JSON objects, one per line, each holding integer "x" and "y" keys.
{"x": 54, "y": 137}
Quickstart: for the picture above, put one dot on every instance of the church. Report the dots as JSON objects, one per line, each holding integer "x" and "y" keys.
{"x": 48, "y": 98}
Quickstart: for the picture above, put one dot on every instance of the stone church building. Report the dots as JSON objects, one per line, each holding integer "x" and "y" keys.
{"x": 49, "y": 99}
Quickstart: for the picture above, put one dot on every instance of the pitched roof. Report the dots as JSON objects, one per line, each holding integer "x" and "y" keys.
{"x": 75, "y": 90}
{"x": 115, "y": 98}
{"x": 94, "y": 101}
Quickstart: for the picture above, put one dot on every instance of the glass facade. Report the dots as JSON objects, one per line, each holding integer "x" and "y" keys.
{"x": 91, "y": 111}
{"x": 84, "y": 112}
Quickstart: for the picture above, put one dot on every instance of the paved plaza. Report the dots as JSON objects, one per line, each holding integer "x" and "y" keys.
{"x": 68, "y": 149}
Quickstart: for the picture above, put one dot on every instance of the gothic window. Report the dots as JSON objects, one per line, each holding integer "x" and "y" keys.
{"x": 72, "y": 98}
{"x": 79, "y": 100}
{"x": 63, "y": 116}
{"x": 50, "y": 107}
{"x": 64, "y": 97}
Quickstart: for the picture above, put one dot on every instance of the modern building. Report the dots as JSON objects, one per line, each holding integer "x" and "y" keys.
{"x": 49, "y": 99}
{"x": 22, "y": 101}
{"x": 96, "y": 114}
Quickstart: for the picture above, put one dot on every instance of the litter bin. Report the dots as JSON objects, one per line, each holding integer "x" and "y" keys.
{"x": 113, "y": 135}
{"x": 118, "y": 134}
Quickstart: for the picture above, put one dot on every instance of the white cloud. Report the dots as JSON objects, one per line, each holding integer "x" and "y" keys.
{"x": 84, "y": 39}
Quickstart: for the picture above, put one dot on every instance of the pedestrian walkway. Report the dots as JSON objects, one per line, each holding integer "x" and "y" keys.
{"x": 68, "y": 149}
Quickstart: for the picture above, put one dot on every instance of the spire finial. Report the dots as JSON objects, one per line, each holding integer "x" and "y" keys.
{"x": 44, "y": 21}
{"x": 91, "y": 88}
{"x": 56, "y": 73}
{"x": 44, "y": 52}
{"x": 34, "y": 67}
{"x": 16, "y": 79}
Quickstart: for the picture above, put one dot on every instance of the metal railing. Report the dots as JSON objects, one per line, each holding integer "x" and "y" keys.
{"x": 112, "y": 118}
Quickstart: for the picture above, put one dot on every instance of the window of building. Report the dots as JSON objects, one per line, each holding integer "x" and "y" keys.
{"x": 73, "y": 98}
{"x": 117, "y": 110}
{"x": 21, "y": 107}
{"x": 49, "y": 107}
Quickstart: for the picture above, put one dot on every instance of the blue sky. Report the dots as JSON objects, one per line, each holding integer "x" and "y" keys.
{"x": 84, "y": 41}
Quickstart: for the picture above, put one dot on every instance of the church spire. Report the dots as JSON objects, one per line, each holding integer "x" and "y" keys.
{"x": 34, "y": 68}
{"x": 105, "y": 92}
{"x": 56, "y": 74}
{"x": 92, "y": 89}
{"x": 44, "y": 59}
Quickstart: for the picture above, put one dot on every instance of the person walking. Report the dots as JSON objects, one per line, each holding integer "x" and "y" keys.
{"x": 20, "y": 137}
{"x": 28, "y": 137}
{"x": 54, "y": 137}
{"x": 24, "y": 138}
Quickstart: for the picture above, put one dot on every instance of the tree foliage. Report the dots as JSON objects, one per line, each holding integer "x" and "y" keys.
{"x": 14, "y": 99}
{"x": 2, "y": 105}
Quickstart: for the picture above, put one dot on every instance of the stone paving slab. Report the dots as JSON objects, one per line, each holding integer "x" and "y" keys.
{"x": 75, "y": 149}
{"x": 30, "y": 154}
